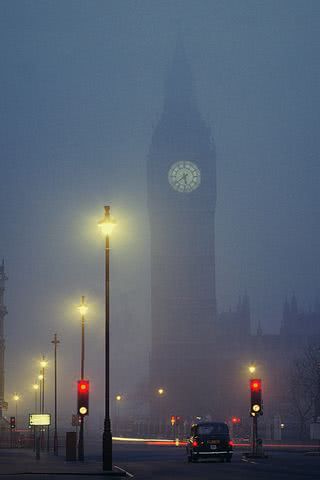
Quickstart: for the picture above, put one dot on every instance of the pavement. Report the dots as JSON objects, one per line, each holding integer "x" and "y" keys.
{"x": 22, "y": 462}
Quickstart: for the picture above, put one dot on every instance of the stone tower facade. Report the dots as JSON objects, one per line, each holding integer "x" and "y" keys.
{"x": 181, "y": 204}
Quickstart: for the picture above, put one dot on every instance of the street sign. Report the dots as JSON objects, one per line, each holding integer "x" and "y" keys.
{"x": 3, "y": 405}
{"x": 39, "y": 419}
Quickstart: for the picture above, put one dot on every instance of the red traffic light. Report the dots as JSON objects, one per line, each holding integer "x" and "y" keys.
{"x": 83, "y": 386}
{"x": 255, "y": 385}
{"x": 235, "y": 420}
{"x": 12, "y": 422}
{"x": 83, "y": 397}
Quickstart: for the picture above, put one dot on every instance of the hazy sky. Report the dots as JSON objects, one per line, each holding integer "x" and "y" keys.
{"x": 81, "y": 89}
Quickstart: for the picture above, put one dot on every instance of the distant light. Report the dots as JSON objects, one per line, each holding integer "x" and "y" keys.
{"x": 281, "y": 425}
{"x": 256, "y": 408}
{"x": 83, "y": 410}
{"x": 160, "y": 391}
{"x": 118, "y": 397}
{"x": 252, "y": 368}
{"x": 35, "y": 386}
{"x": 43, "y": 363}
{"x": 16, "y": 398}
{"x": 40, "y": 377}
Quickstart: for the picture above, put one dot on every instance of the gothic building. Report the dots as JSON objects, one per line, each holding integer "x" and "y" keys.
{"x": 181, "y": 203}
{"x": 199, "y": 358}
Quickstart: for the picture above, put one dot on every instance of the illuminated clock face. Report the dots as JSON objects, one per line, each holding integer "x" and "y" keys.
{"x": 184, "y": 176}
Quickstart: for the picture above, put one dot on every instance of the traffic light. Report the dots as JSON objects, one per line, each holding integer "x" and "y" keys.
{"x": 12, "y": 423}
{"x": 256, "y": 397}
{"x": 173, "y": 420}
{"x": 235, "y": 420}
{"x": 83, "y": 397}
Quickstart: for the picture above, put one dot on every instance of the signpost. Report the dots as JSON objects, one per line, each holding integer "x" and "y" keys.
{"x": 39, "y": 420}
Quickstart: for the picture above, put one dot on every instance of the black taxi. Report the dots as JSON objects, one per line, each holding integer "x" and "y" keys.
{"x": 209, "y": 440}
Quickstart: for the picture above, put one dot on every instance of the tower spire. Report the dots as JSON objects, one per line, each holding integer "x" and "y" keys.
{"x": 179, "y": 86}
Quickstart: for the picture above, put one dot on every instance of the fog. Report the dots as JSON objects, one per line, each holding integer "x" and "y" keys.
{"x": 81, "y": 89}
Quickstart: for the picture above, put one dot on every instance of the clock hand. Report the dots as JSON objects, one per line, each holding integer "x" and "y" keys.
{"x": 181, "y": 178}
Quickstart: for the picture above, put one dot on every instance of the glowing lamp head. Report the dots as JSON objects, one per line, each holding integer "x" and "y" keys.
{"x": 256, "y": 408}
{"x": 83, "y": 410}
{"x": 252, "y": 368}
{"x": 107, "y": 223}
{"x": 43, "y": 363}
{"x": 160, "y": 391}
{"x": 16, "y": 398}
{"x": 83, "y": 307}
{"x": 118, "y": 398}
{"x": 40, "y": 377}
{"x": 35, "y": 386}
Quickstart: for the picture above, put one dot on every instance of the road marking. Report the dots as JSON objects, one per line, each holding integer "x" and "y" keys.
{"x": 125, "y": 471}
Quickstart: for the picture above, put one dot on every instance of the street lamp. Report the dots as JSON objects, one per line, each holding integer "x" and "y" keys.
{"x": 16, "y": 398}
{"x": 106, "y": 226}
{"x": 252, "y": 368}
{"x": 83, "y": 308}
{"x": 161, "y": 391}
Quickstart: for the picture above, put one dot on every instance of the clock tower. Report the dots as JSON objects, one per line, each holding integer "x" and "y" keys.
{"x": 181, "y": 204}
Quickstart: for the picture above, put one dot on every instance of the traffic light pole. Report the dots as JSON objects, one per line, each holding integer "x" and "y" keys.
{"x": 81, "y": 440}
{"x": 254, "y": 434}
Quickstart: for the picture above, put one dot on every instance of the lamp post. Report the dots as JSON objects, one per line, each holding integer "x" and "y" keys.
{"x": 83, "y": 308}
{"x": 55, "y": 342}
{"x": 43, "y": 364}
{"x": 16, "y": 398}
{"x": 35, "y": 387}
{"x": 40, "y": 378}
{"x": 118, "y": 401}
{"x": 161, "y": 392}
{"x": 106, "y": 225}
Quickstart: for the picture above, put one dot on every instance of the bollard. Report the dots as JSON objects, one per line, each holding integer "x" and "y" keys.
{"x": 71, "y": 446}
